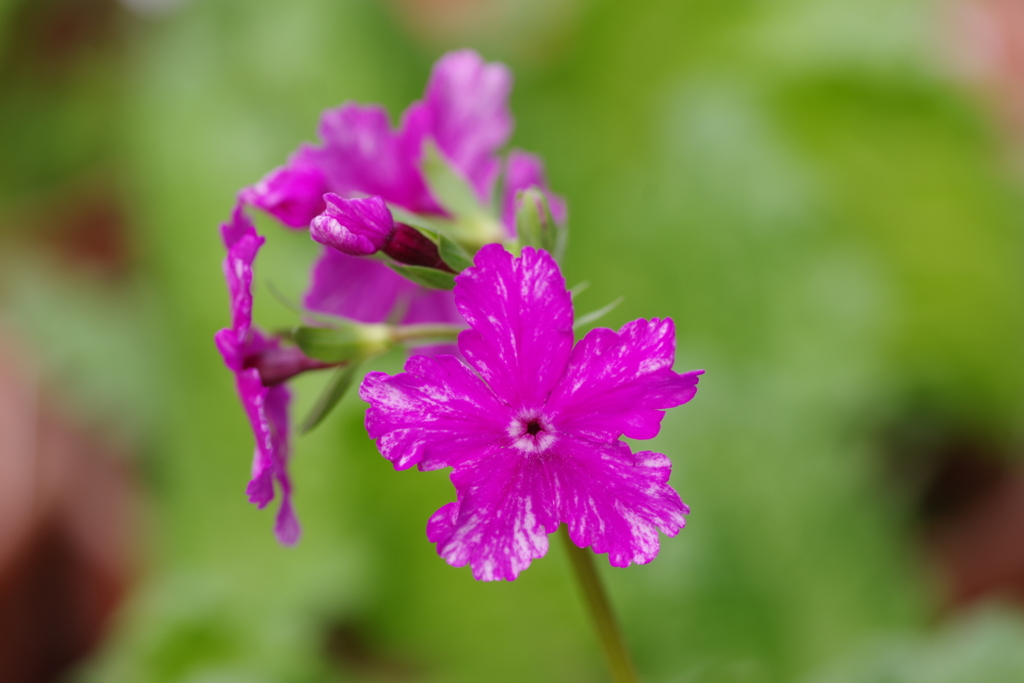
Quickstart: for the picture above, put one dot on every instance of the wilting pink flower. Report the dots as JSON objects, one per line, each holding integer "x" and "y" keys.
{"x": 260, "y": 366}
{"x": 532, "y": 425}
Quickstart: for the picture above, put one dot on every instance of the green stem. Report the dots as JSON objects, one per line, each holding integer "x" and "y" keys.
{"x": 426, "y": 331}
{"x": 600, "y": 611}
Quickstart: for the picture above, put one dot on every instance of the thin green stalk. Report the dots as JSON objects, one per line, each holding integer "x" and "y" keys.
{"x": 417, "y": 332}
{"x": 608, "y": 630}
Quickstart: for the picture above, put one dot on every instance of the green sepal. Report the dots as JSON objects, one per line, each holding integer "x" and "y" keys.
{"x": 344, "y": 342}
{"x": 453, "y": 254}
{"x": 535, "y": 226}
{"x": 335, "y": 390}
{"x": 594, "y": 316}
{"x": 430, "y": 227}
{"x": 473, "y": 224}
{"x": 428, "y": 277}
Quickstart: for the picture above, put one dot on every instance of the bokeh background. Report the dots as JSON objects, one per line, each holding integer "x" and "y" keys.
{"x": 824, "y": 194}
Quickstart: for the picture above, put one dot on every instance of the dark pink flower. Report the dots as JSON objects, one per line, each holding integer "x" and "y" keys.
{"x": 532, "y": 425}
{"x": 260, "y": 366}
{"x": 465, "y": 112}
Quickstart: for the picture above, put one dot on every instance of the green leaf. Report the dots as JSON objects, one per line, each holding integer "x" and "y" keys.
{"x": 431, "y": 227}
{"x": 593, "y": 316}
{"x": 453, "y": 254}
{"x": 447, "y": 184}
{"x": 428, "y": 277}
{"x": 332, "y": 393}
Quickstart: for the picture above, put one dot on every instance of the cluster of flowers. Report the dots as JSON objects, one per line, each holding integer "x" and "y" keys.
{"x": 415, "y": 253}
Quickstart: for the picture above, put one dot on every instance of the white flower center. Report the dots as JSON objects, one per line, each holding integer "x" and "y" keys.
{"x": 531, "y": 432}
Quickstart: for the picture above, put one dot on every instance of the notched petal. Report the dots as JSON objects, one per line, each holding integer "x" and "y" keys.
{"x": 435, "y": 414}
{"x": 621, "y": 382}
{"x": 616, "y": 502}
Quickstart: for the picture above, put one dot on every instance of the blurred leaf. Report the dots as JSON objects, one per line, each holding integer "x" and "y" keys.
{"x": 579, "y": 288}
{"x": 446, "y": 183}
{"x": 454, "y": 255}
{"x": 427, "y": 277}
{"x": 594, "y": 316}
{"x": 339, "y": 383}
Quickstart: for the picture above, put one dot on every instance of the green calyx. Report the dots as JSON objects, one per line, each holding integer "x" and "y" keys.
{"x": 535, "y": 226}
{"x": 351, "y": 342}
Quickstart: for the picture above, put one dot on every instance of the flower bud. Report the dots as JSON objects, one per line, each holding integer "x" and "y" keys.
{"x": 535, "y": 226}
{"x": 281, "y": 363}
{"x": 359, "y": 227}
{"x": 410, "y": 246}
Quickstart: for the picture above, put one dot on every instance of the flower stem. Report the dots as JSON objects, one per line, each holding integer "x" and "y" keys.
{"x": 426, "y": 331}
{"x": 600, "y": 611}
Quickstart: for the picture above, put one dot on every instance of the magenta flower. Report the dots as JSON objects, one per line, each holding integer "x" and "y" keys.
{"x": 532, "y": 426}
{"x": 364, "y": 290}
{"x": 464, "y": 112}
{"x": 260, "y": 365}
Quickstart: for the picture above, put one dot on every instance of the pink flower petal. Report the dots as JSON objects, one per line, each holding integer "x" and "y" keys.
{"x": 615, "y": 501}
{"x": 520, "y": 315}
{"x": 622, "y": 382}
{"x": 506, "y": 508}
{"x": 361, "y": 154}
{"x": 435, "y": 414}
{"x": 357, "y": 288}
{"x": 265, "y": 407}
{"x": 292, "y": 193}
{"x": 467, "y": 100}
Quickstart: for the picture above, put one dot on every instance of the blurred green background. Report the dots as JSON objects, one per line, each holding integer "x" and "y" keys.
{"x": 828, "y": 210}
